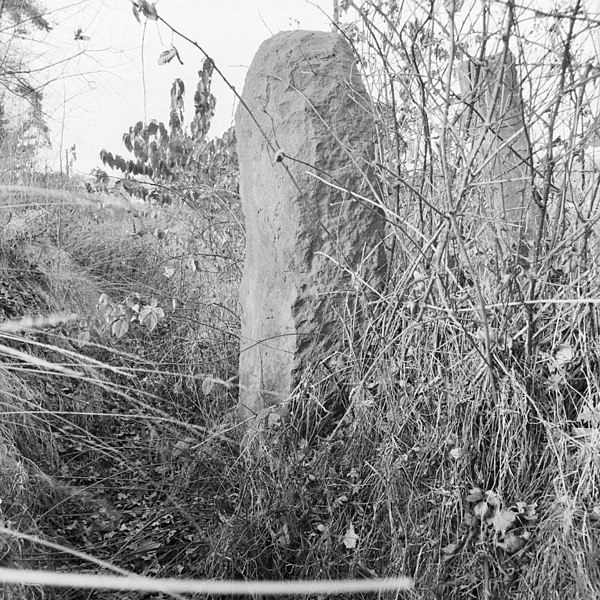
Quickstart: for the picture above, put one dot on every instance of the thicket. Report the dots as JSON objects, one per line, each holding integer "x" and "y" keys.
{"x": 457, "y": 443}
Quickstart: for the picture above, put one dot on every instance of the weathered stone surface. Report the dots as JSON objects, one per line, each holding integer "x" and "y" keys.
{"x": 492, "y": 90}
{"x": 305, "y": 240}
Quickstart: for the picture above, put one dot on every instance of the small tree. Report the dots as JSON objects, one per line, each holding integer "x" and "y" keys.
{"x": 180, "y": 161}
{"x": 23, "y": 129}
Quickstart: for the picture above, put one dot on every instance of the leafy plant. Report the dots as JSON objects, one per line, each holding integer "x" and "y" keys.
{"x": 115, "y": 319}
{"x": 174, "y": 159}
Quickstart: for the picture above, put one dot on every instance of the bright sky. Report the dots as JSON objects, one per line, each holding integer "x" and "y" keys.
{"x": 114, "y": 80}
{"x": 103, "y": 85}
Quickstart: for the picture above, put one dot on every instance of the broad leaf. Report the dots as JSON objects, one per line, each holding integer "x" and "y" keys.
{"x": 120, "y": 327}
{"x": 136, "y": 12}
{"x": 150, "y": 315}
{"x": 148, "y": 10}
{"x": 83, "y": 338}
{"x": 475, "y": 495}
{"x": 167, "y": 56}
{"x": 208, "y": 385}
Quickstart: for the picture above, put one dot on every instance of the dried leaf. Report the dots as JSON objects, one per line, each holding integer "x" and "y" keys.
{"x": 512, "y": 543}
{"x": 589, "y": 416}
{"x": 492, "y": 499}
{"x": 103, "y": 301}
{"x": 564, "y": 355}
{"x": 527, "y": 511}
{"x": 283, "y": 536}
{"x": 148, "y": 9}
{"x": 181, "y": 447}
{"x": 481, "y": 510}
{"x": 503, "y": 520}
{"x": 475, "y": 495}
{"x": 353, "y": 474}
{"x": 167, "y": 56}
{"x": 83, "y": 338}
{"x": 350, "y": 540}
{"x": 450, "y": 549}
{"x": 148, "y": 545}
{"x": 456, "y": 453}
{"x": 273, "y": 419}
{"x": 208, "y": 385}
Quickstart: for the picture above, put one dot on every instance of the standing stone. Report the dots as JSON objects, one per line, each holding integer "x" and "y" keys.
{"x": 309, "y": 245}
{"x": 492, "y": 90}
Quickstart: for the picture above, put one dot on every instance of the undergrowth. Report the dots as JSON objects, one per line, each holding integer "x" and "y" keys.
{"x": 453, "y": 437}
{"x": 411, "y": 455}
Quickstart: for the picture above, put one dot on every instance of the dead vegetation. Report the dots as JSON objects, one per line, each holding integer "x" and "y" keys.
{"x": 457, "y": 442}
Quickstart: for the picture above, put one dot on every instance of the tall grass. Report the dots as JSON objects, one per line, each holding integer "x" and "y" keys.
{"x": 81, "y": 421}
{"x": 456, "y": 442}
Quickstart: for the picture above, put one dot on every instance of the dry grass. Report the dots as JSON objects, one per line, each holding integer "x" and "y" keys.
{"x": 456, "y": 442}
{"x": 413, "y": 442}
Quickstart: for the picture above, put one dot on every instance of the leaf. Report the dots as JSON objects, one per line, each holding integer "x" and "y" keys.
{"x": 503, "y": 520}
{"x": 273, "y": 420}
{"x": 492, "y": 499}
{"x": 168, "y": 273}
{"x": 103, "y": 301}
{"x": 208, "y": 385}
{"x": 120, "y": 328}
{"x": 148, "y": 9}
{"x": 127, "y": 142}
{"x": 136, "y": 12}
{"x": 283, "y": 536}
{"x": 108, "y": 310}
{"x": 148, "y": 545}
{"x": 475, "y": 495}
{"x": 450, "y": 549}
{"x": 350, "y": 540}
{"x": 150, "y": 316}
{"x": 564, "y": 355}
{"x": 133, "y": 302}
{"x": 481, "y": 509}
{"x": 353, "y": 474}
{"x": 166, "y": 56}
{"x": 527, "y": 511}
{"x": 456, "y": 453}
{"x": 120, "y": 164}
{"x": 182, "y": 447}
{"x": 513, "y": 543}
{"x": 263, "y": 414}
{"x": 83, "y": 338}
{"x": 555, "y": 382}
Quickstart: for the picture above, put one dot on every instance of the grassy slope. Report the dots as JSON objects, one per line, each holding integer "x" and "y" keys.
{"x": 480, "y": 481}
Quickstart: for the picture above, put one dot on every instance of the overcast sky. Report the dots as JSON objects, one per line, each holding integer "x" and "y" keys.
{"x": 102, "y": 85}
{"x": 110, "y": 80}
